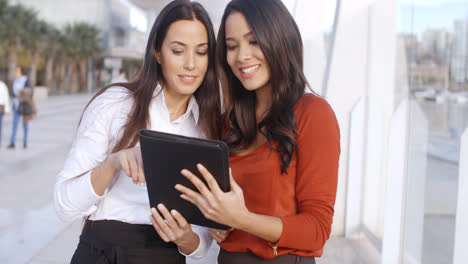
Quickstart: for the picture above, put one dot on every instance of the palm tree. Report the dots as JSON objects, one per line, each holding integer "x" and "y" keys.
{"x": 91, "y": 49}
{"x": 16, "y": 21}
{"x": 83, "y": 44}
{"x": 71, "y": 49}
{"x": 35, "y": 43}
{"x": 3, "y": 5}
{"x": 54, "y": 38}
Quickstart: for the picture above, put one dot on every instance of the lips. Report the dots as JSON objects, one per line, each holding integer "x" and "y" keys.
{"x": 188, "y": 79}
{"x": 249, "y": 71}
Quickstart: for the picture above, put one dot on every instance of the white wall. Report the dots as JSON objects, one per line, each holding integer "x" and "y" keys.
{"x": 346, "y": 84}
{"x": 363, "y": 65}
{"x": 310, "y": 17}
{"x": 461, "y": 228}
{"x": 395, "y": 189}
{"x": 381, "y": 91}
{"x": 355, "y": 171}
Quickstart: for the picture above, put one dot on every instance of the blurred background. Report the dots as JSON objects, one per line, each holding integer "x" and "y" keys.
{"x": 394, "y": 71}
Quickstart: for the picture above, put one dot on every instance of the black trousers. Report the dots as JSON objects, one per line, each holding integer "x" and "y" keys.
{"x": 226, "y": 257}
{"x": 114, "y": 242}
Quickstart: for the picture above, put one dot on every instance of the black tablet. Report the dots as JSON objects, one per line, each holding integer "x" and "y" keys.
{"x": 164, "y": 157}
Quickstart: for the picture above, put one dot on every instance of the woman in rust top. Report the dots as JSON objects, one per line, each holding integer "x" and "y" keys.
{"x": 285, "y": 144}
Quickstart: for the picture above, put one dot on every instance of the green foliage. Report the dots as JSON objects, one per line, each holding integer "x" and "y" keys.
{"x": 82, "y": 41}
{"x": 21, "y": 26}
{"x": 17, "y": 22}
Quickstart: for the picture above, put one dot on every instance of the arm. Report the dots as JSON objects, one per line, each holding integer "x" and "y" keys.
{"x": 89, "y": 168}
{"x": 318, "y": 151}
{"x": 128, "y": 160}
{"x": 74, "y": 194}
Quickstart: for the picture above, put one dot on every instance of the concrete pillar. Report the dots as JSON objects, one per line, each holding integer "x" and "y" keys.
{"x": 395, "y": 186}
{"x": 311, "y": 16}
{"x": 405, "y": 185}
{"x": 363, "y": 65}
{"x": 346, "y": 84}
{"x": 461, "y": 227}
{"x": 415, "y": 185}
{"x": 355, "y": 170}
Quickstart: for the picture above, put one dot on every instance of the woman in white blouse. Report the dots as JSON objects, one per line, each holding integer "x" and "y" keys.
{"x": 176, "y": 91}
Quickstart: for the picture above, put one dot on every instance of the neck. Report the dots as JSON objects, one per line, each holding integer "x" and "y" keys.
{"x": 263, "y": 103}
{"x": 176, "y": 104}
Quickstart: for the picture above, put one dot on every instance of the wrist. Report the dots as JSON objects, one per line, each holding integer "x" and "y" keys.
{"x": 190, "y": 245}
{"x": 113, "y": 162}
{"x": 243, "y": 219}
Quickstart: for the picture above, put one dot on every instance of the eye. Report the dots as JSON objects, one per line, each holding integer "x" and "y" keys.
{"x": 231, "y": 47}
{"x": 253, "y": 42}
{"x": 177, "y": 52}
{"x": 202, "y": 52}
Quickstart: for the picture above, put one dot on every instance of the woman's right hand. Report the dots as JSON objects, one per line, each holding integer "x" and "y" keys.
{"x": 130, "y": 161}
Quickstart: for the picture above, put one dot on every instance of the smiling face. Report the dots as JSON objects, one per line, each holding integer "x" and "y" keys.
{"x": 244, "y": 54}
{"x": 184, "y": 56}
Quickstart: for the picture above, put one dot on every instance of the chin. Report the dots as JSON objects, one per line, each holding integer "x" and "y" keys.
{"x": 252, "y": 86}
{"x": 188, "y": 89}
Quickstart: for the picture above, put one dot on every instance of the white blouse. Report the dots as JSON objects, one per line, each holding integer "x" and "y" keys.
{"x": 100, "y": 129}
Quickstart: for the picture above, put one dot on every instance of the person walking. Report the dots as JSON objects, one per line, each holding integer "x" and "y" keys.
{"x": 121, "y": 78}
{"x": 4, "y": 105}
{"x": 22, "y": 92}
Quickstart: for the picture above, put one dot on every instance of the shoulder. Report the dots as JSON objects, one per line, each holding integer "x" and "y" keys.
{"x": 113, "y": 97}
{"x": 313, "y": 107}
{"x": 115, "y": 100}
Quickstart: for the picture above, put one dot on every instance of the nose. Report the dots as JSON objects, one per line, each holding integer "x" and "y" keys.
{"x": 244, "y": 54}
{"x": 189, "y": 62}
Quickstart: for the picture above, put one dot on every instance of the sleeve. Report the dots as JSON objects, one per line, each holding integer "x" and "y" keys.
{"x": 318, "y": 151}
{"x": 74, "y": 195}
{"x": 205, "y": 242}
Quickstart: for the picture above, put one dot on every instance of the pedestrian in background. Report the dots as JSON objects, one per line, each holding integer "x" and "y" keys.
{"x": 22, "y": 106}
{"x": 4, "y": 105}
{"x": 122, "y": 78}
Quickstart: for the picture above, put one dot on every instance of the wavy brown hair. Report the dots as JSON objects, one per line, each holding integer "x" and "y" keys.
{"x": 141, "y": 89}
{"x": 280, "y": 41}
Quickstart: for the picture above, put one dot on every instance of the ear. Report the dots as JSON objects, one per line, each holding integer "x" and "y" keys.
{"x": 157, "y": 56}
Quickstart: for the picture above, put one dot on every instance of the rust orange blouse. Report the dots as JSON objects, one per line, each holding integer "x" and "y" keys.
{"x": 304, "y": 197}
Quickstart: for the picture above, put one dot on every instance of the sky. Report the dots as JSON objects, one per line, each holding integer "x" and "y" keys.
{"x": 433, "y": 14}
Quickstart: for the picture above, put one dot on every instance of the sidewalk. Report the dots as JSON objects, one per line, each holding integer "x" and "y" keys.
{"x": 29, "y": 229}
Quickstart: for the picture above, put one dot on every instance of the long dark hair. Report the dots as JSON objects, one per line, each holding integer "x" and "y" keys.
{"x": 142, "y": 87}
{"x": 280, "y": 41}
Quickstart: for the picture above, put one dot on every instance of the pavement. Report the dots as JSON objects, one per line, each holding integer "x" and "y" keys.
{"x": 30, "y": 231}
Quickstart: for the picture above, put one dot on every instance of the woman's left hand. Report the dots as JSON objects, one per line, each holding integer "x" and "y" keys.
{"x": 226, "y": 208}
{"x": 174, "y": 229}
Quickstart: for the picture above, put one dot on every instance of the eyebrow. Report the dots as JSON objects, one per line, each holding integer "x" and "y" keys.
{"x": 245, "y": 35}
{"x": 183, "y": 44}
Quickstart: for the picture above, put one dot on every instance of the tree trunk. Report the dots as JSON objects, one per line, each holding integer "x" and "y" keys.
{"x": 49, "y": 73}
{"x": 73, "y": 78}
{"x": 60, "y": 75}
{"x": 33, "y": 72}
{"x": 97, "y": 81}
{"x": 11, "y": 64}
{"x": 83, "y": 78}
